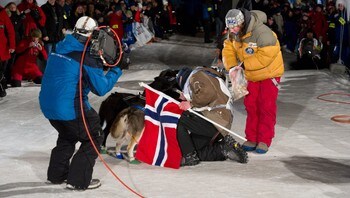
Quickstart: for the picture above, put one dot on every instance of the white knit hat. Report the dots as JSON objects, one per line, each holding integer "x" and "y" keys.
{"x": 340, "y": 2}
{"x": 234, "y": 18}
{"x": 346, "y": 4}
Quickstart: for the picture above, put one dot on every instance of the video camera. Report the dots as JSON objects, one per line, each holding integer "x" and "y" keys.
{"x": 104, "y": 45}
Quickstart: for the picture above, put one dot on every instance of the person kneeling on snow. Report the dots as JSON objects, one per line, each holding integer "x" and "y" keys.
{"x": 310, "y": 49}
{"x": 25, "y": 66}
{"x": 204, "y": 91}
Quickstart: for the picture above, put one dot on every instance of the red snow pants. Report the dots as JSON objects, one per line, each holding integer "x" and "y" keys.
{"x": 261, "y": 109}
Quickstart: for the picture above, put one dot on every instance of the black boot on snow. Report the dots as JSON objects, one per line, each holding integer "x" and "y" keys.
{"x": 233, "y": 150}
{"x": 190, "y": 159}
{"x": 37, "y": 80}
{"x": 16, "y": 83}
{"x": 3, "y": 86}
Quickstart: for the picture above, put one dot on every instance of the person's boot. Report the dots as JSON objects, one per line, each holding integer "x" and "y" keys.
{"x": 16, "y": 83}
{"x": 262, "y": 148}
{"x": 3, "y": 86}
{"x": 249, "y": 146}
{"x": 233, "y": 150}
{"x": 190, "y": 159}
{"x": 37, "y": 80}
{"x": 95, "y": 183}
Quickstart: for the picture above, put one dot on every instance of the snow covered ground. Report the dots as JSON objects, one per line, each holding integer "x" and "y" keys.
{"x": 309, "y": 156}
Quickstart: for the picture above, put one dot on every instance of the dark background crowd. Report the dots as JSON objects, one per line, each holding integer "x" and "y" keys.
{"x": 315, "y": 30}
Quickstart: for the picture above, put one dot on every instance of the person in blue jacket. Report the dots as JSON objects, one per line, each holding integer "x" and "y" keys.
{"x": 60, "y": 103}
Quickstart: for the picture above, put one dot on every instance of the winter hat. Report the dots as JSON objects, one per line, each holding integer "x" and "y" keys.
{"x": 182, "y": 76}
{"x": 346, "y": 4}
{"x": 234, "y": 18}
{"x": 340, "y": 2}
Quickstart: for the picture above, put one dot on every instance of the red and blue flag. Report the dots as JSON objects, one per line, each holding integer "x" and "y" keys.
{"x": 158, "y": 144}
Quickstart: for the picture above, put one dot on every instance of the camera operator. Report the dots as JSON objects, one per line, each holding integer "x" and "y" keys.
{"x": 60, "y": 103}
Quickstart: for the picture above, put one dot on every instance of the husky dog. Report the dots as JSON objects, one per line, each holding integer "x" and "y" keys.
{"x": 128, "y": 127}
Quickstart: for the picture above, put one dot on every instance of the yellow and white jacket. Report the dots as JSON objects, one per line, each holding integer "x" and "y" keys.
{"x": 258, "y": 49}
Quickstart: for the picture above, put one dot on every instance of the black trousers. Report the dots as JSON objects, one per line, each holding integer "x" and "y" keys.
{"x": 3, "y": 82}
{"x": 2, "y": 68}
{"x": 197, "y": 134}
{"x": 207, "y": 30}
{"x": 78, "y": 172}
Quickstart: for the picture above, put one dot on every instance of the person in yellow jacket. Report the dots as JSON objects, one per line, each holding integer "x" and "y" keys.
{"x": 254, "y": 47}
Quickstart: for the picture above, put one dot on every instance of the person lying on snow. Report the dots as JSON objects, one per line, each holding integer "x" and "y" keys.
{"x": 205, "y": 92}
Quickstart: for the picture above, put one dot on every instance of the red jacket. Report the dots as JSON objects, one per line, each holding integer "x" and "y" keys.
{"x": 25, "y": 65}
{"x": 137, "y": 16}
{"x": 7, "y": 36}
{"x": 116, "y": 23}
{"x": 29, "y": 22}
{"x": 172, "y": 16}
{"x": 320, "y": 25}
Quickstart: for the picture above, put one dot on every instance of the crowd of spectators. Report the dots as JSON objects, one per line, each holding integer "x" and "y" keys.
{"x": 291, "y": 20}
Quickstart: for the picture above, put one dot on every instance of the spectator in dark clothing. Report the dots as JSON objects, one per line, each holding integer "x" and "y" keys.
{"x": 342, "y": 34}
{"x": 54, "y": 26}
{"x": 68, "y": 11}
{"x": 221, "y": 8}
{"x": 17, "y": 22}
{"x": 17, "y": 19}
{"x": 207, "y": 16}
{"x": 271, "y": 23}
{"x": 192, "y": 9}
{"x": 76, "y": 14}
{"x": 99, "y": 15}
{"x": 290, "y": 29}
{"x": 61, "y": 8}
{"x": 331, "y": 33}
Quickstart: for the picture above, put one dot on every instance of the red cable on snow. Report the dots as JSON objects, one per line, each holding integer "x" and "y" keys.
{"x": 337, "y": 118}
{"x": 341, "y": 118}
{"x": 333, "y": 93}
{"x": 83, "y": 115}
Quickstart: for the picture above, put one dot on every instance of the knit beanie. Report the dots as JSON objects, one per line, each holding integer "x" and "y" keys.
{"x": 234, "y": 18}
{"x": 182, "y": 76}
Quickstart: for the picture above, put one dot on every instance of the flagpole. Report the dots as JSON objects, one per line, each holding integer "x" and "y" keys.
{"x": 191, "y": 110}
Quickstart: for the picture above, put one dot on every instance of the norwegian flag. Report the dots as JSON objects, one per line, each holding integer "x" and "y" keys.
{"x": 158, "y": 144}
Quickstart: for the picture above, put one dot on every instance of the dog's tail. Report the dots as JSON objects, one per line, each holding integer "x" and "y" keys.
{"x": 104, "y": 124}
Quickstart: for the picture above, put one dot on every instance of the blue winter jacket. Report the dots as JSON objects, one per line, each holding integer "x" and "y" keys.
{"x": 59, "y": 95}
